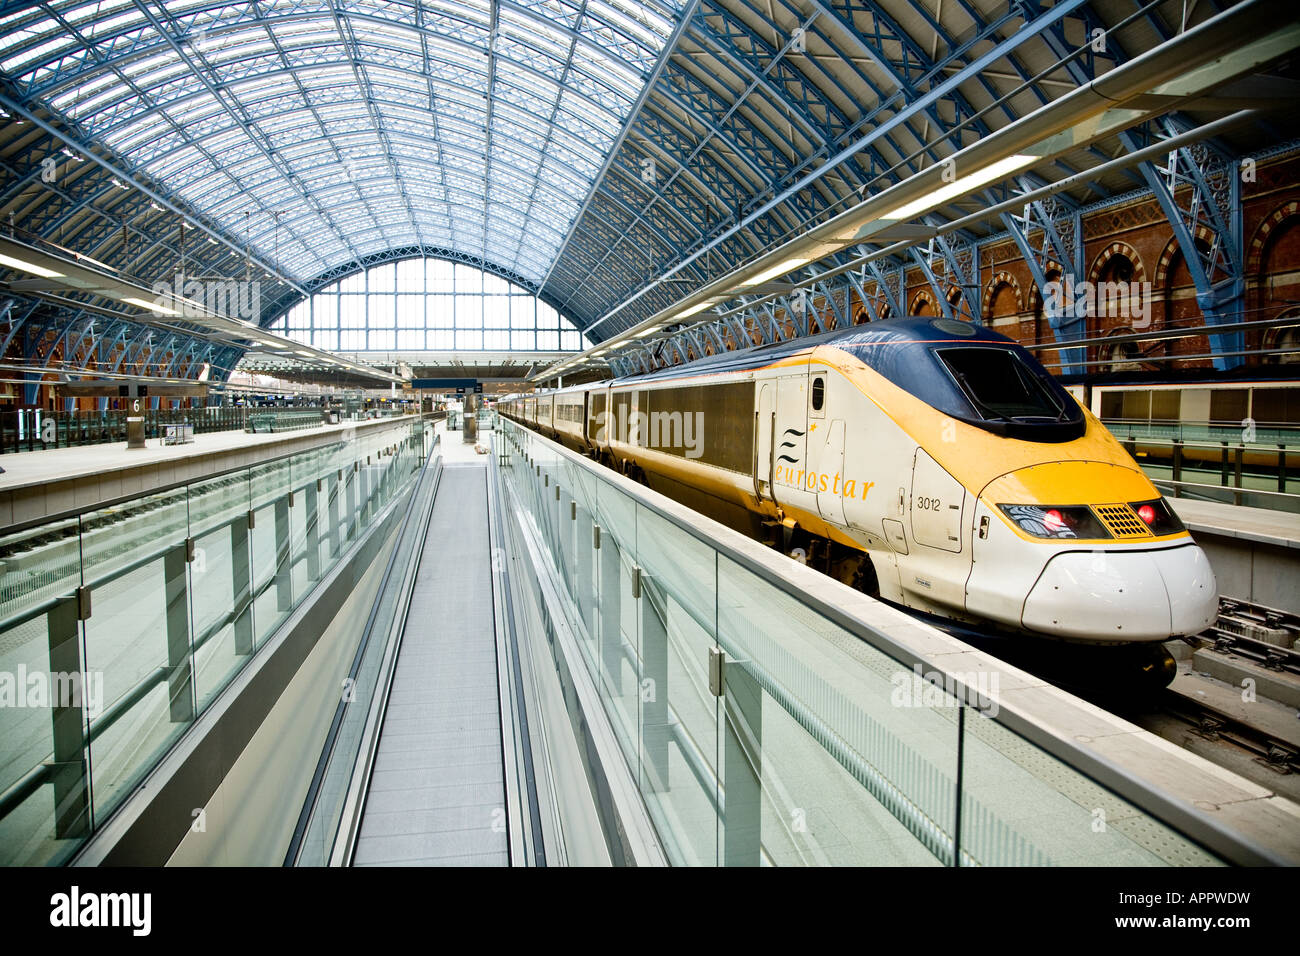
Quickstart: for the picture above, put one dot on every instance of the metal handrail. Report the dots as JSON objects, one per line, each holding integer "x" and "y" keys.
{"x": 1230, "y": 489}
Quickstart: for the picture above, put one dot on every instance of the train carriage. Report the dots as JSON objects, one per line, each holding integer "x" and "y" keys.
{"x": 929, "y": 461}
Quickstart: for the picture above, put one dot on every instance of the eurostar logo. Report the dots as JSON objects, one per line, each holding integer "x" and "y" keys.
{"x": 818, "y": 481}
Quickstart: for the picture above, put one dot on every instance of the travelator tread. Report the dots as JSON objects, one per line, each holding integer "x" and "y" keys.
{"x": 437, "y": 789}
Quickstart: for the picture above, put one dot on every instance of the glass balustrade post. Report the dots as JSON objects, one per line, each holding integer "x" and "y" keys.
{"x": 611, "y": 609}
{"x": 71, "y": 776}
{"x": 334, "y": 512}
{"x": 363, "y": 478}
{"x": 742, "y": 700}
{"x": 351, "y": 510}
{"x": 583, "y": 558}
{"x": 653, "y": 693}
{"x": 241, "y": 574}
{"x": 311, "y": 499}
{"x": 283, "y": 582}
{"x": 180, "y": 670}
{"x": 564, "y": 525}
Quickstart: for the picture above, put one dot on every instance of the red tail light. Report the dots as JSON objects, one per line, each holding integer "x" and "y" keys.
{"x": 1147, "y": 514}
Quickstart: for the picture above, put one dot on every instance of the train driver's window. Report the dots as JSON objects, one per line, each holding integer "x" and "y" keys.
{"x": 818, "y": 394}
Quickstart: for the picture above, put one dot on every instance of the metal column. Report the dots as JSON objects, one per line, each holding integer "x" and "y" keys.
{"x": 241, "y": 567}
{"x": 70, "y": 774}
{"x": 742, "y": 729}
{"x": 653, "y": 692}
{"x": 180, "y": 671}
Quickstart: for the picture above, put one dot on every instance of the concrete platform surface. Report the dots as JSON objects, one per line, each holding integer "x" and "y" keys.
{"x": 43, "y": 484}
{"x": 1278, "y": 528}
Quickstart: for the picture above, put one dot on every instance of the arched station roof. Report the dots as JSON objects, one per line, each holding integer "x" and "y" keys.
{"x": 579, "y": 148}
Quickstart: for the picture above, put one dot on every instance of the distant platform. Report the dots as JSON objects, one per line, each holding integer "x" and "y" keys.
{"x": 45, "y": 484}
{"x": 1255, "y": 552}
{"x": 1281, "y": 529}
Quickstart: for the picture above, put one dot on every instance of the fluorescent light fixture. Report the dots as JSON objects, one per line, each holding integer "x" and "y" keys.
{"x": 959, "y": 187}
{"x": 82, "y": 257}
{"x": 31, "y": 267}
{"x": 643, "y": 334}
{"x": 151, "y": 306}
{"x": 308, "y": 354}
{"x": 693, "y": 309}
{"x": 780, "y": 269}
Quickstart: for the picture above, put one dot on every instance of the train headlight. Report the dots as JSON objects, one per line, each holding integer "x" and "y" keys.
{"x": 1056, "y": 521}
{"x": 1158, "y": 516}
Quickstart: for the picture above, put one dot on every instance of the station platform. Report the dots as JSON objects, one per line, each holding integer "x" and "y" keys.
{"x": 1279, "y": 529}
{"x": 544, "y": 663}
{"x": 1255, "y": 552}
{"x": 38, "y": 485}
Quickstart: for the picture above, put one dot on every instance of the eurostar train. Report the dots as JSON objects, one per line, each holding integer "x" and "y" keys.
{"x": 931, "y": 462}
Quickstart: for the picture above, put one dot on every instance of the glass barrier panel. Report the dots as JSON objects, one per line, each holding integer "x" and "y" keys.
{"x": 678, "y": 716}
{"x": 137, "y": 638}
{"x": 1021, "y": 806}
{"x": 221, "y": 597}
{"x": 272, "y": 578}
{"x": 858, "y": 754}
{"x": 617, "y": 676}
{"x": 46, "y": 698}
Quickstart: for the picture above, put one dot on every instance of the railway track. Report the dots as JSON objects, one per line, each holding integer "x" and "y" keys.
{"x": 1261, "y": 634}
{"x": 1273, "y": 747}
{"x": 1219, "y": 704}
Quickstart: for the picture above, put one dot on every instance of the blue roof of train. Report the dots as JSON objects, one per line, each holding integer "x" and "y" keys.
{"x": 910, "y": 330}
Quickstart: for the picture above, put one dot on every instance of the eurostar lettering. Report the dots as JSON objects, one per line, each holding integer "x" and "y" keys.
{"x": 74, "y": 908}
{"x": 821, "y": 482}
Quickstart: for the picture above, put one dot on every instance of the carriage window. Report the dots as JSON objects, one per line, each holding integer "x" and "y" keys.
{"x": 818, "y": 394}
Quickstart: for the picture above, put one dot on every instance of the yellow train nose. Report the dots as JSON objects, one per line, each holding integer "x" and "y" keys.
{"x": 1072, "y": 483}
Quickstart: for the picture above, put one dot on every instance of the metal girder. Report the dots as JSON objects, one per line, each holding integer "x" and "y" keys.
{"x": 1212, "y": 205}
{"x": 891, "y": 288}
{"x": 877, "y": 127}
{"x": 1059, "y": 235}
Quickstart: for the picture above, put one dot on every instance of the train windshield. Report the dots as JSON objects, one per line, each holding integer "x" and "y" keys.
{"x": 1000, "y": 386}
{"x": 971, "y": 373}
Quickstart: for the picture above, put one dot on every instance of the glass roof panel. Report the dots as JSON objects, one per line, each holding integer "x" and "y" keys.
{"x": 341, "y": 130}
